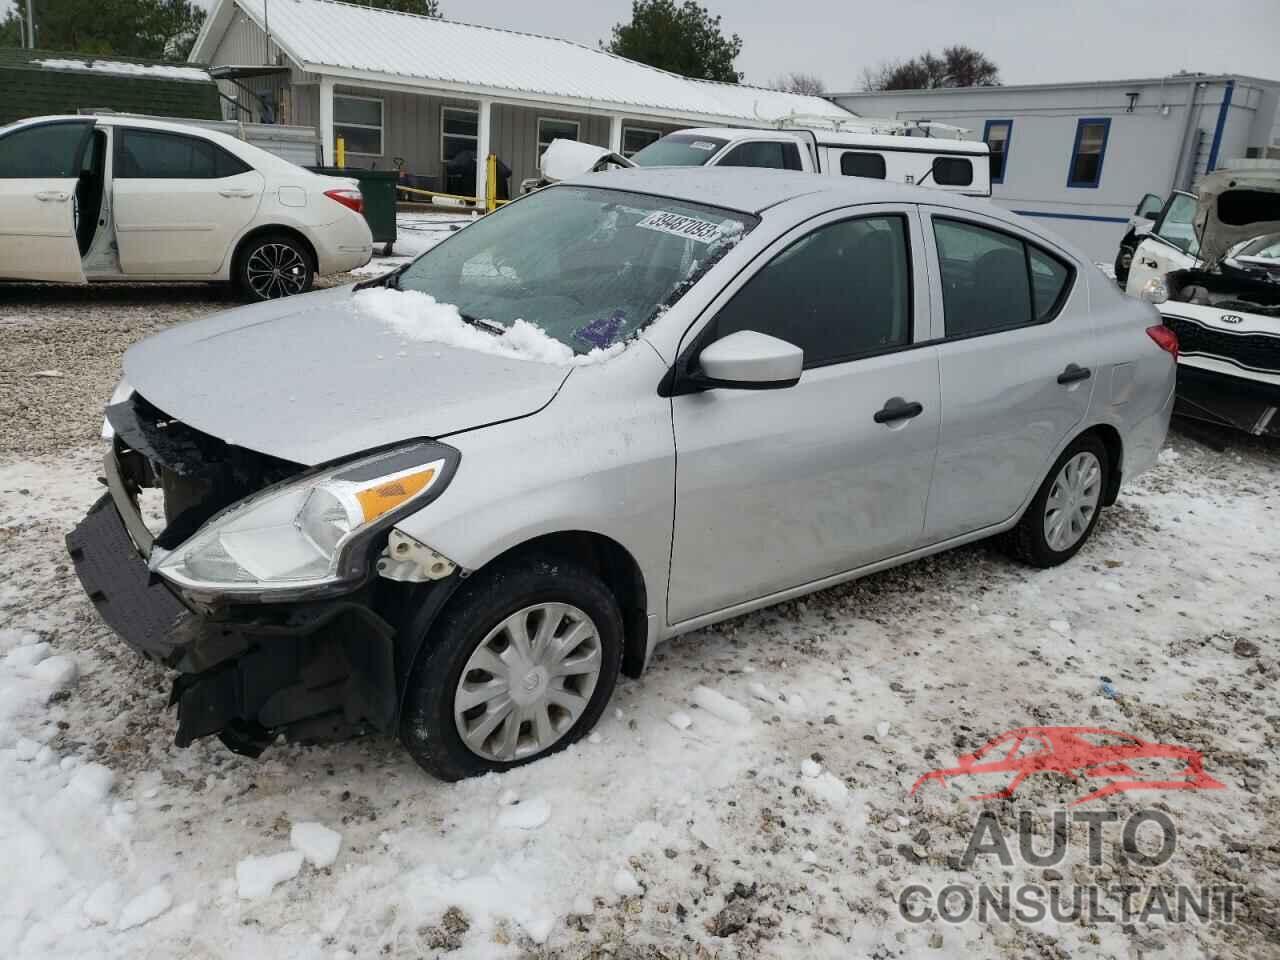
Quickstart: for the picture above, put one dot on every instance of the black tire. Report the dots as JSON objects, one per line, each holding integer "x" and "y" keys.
{"x": 427, "y": 725}
{"x": 296, "y": 275}
{"x": 1027, "y": 541}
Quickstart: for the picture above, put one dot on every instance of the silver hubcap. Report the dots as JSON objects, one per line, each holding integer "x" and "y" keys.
{"x": 528, "y": 682}
{"x": 276, "y": 270}
{"x": 1073, "y": 501}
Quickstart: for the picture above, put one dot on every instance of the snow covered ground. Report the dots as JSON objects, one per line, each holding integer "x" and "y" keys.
{"x": 747, "y": 798}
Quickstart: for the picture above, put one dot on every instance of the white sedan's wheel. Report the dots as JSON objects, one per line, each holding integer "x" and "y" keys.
{"x": 528, "y": 682}
{"x": 274, "y": 266}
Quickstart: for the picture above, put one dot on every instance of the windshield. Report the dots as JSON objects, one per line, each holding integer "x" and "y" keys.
{"x": 1176, "y": 226}
{"x": 678, "y": 150}
{"x": 589, "y": 267}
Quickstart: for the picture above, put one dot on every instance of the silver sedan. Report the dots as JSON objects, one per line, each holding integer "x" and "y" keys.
{"x": 454, "y": 503}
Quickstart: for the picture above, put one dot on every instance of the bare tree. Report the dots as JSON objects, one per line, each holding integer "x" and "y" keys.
{"x": 959, "y": 66}
{"x": 807, "y": 83}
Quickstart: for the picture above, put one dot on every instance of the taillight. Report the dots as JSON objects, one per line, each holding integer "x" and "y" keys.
{"x": 1165, "y": 339}
{"x": 349, "y": 197}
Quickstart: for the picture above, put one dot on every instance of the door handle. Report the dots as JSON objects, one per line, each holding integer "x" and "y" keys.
{"x": 896, "y": 409}
{"x": 236, "y": 193}
{"x": 1074, "y": 373}
{"x": 1148, "y": 262}
{"x": 57, "y": 196}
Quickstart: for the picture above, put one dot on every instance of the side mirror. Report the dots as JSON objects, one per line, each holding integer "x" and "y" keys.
{"x": 748, "y": 360}
{"x": 1150, "y": 215}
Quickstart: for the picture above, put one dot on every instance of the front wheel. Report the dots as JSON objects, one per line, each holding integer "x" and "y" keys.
{"x": 1065, "y": 509}
{"x": 520, "y": 665}
{"x": 273, "y": 266}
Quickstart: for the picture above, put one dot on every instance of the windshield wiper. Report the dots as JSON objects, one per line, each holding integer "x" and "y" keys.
{"x": 489, "y": 326}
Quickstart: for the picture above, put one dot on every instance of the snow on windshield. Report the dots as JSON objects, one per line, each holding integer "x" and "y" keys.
{"x": 419, "y": 316}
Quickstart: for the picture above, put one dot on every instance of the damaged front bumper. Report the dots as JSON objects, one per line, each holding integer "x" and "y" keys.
{"x": 314, "y": 671}
{"x": 315, "y": 668}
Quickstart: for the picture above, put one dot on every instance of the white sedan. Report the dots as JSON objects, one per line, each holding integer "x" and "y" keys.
{"x": 87, "y": 199}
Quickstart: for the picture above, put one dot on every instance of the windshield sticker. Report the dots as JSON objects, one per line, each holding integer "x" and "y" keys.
{"x": 602, "y": 332}
{"x": 702, "y": 145}
{"x": 691, "y": 228}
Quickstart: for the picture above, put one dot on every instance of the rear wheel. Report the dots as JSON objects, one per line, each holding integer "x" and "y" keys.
{"x": 520, "y": 665}
{"x": 273, "y": 266}
{"x": 1065, "y": 509}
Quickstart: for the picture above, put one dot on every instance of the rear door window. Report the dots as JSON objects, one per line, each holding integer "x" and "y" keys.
{"x": 869, "y": 165}
{"x": 994, "y": 281}
{"x": 159, "y": 154}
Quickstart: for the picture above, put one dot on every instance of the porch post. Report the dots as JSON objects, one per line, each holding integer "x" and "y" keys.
{"x": 482, "y": 149}
{"x": 326, "y": 121}
{"x": 615, "y": 134}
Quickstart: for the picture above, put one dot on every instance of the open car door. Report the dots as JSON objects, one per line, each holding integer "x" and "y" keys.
{"x": 39, "y": 176}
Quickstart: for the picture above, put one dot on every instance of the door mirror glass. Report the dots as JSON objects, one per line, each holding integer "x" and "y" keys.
{"x": 750, "y": 360}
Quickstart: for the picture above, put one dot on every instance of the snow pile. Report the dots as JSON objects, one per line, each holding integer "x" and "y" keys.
{"x": 419, "y": 316}
{"x": 529, "y": 815}
{"x": 145, "y": 906}
{"x": 160, "y": 71}
{"x": 316, "y": 842}
{"x": 721, "y": 707}
{"x": 257, "y": 876}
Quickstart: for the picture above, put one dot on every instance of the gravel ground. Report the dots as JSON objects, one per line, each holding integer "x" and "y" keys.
{"x": 60, "y": 350}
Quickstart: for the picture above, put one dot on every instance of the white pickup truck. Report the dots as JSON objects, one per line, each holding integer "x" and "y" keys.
{"x": 961, "y": 166}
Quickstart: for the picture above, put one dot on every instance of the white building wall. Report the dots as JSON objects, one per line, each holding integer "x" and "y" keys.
{"x": 1145, "y": 144}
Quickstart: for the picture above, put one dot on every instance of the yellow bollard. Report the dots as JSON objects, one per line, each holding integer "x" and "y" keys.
{"x": 340, "y": 152}
{"x": 491, "y": 183}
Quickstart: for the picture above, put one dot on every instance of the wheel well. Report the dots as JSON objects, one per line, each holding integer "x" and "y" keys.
{"x": 1110, "y": 438}
{"x": 613, "y": 564}
{"x": 274, "y": 229}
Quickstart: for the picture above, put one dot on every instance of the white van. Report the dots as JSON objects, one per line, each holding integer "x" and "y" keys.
{"x": 961, "y": 166}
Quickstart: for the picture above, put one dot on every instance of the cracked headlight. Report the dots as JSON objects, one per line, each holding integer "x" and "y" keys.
{"x": 308, "y": 533}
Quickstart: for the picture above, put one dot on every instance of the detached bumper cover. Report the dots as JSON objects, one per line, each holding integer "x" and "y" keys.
{"x": 313, "y": 671}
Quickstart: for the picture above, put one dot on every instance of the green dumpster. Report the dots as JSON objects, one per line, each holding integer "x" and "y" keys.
{"x": 379, "y": 189}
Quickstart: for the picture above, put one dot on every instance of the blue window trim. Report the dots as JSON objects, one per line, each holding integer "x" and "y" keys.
{"x": 1102, "y": 153}
{"x": 1008, "y": 139}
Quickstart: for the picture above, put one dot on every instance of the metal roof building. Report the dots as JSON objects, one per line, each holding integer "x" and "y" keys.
{"x": 42, "y": 82}
{"x": 429, "y": 90}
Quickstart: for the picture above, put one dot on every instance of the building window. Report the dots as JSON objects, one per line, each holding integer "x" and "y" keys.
{"x": 635, "y": 139}
{"x": 358, "y": 120}
{"x": 459, "y": 132}
{"x": 1088, "y": 152}
{"x": 996, "y": 134}
{"x": 551, "y": 129}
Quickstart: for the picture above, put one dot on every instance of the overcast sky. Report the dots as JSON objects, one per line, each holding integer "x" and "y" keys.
{"x": 1032, "y": 41}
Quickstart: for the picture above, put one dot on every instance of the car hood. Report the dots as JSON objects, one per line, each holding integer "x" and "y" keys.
{"x": 1237, "y": 204}
{"x": 310, "y": 379}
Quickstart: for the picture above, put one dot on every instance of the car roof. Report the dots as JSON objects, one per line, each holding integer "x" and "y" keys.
{"x": 831, "y": 137}
{"x": 751, "y": 190}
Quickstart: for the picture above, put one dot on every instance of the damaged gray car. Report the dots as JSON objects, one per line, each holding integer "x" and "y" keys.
{"x": 452, "y": 504}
